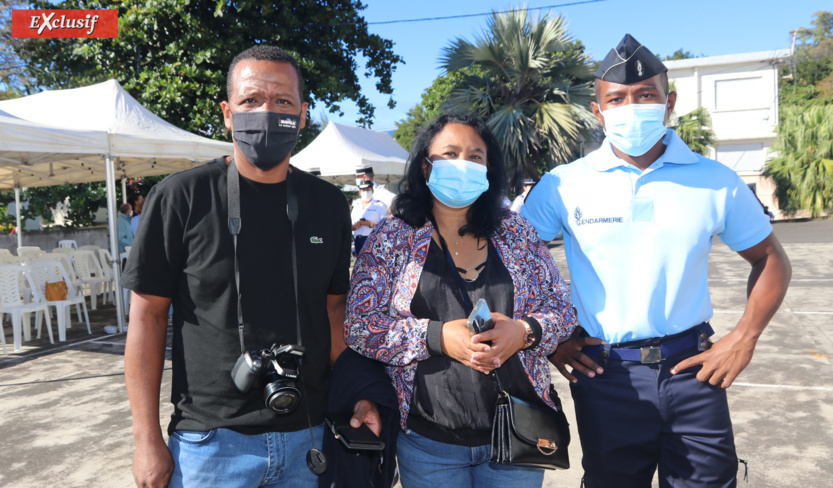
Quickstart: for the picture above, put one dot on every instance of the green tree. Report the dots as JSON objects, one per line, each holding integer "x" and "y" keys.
{"x": 172, "y": 55}
{"x": 808, "y": 79}
{"x": 535, "y": 88}
{"x": 694, "y": 128}
{"x": 434, "y": 102}
{"x": 803, "y": 168}
{"x": 679, "y": 54}
{"x": 85, "y": 198}
{"x": 13, "y": 76}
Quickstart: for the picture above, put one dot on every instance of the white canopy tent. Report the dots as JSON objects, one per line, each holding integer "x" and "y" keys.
{"x": 124, "y": 138}
{"x": 340, "y": 150}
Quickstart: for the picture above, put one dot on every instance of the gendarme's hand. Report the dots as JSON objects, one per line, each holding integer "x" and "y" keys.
{"x": 724, "y": 361}
{"x": 569, "y": 353}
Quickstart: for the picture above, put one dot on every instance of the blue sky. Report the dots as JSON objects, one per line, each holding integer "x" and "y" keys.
{"x": 704, "y": 27}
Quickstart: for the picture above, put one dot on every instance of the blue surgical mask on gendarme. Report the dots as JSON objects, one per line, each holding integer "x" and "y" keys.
{"x": 635, "y": 128}
{"x": 457, "y": 183}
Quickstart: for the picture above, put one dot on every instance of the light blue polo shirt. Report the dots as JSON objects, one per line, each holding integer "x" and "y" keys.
{"x": 637, "y": 242}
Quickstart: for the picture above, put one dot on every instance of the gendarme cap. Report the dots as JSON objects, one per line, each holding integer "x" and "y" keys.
{"x": 629, "y": 62}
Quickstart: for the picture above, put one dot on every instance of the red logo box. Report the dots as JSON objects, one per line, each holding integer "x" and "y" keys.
{"x": 65, "y": 23}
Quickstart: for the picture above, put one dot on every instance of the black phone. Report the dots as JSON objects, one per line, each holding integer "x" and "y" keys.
{"x": 357, "y": 438}
{"x": 480, "y": 319}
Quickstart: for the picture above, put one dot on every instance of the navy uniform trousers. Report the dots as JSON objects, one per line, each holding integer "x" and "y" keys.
{"x": 635, "y": 418}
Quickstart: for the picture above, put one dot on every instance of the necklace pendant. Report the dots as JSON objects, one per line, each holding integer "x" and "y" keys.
{"x": 456, "y": 253}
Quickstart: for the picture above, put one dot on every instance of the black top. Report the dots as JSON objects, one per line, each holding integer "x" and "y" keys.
{"x": 451, "y": 402}
{"x": 183, "y": 250}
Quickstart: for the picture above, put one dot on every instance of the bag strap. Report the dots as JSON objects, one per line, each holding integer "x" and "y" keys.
{"x": 464, "y": 295}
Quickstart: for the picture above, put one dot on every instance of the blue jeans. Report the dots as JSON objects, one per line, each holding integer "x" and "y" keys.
{"x": 222, "y": 457}
{"x": 425, "y": 463}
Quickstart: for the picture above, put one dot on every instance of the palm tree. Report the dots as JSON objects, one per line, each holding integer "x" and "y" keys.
{"x": 695, "y": 129}
{"x": 803, "y": 166}
{"x": 533, "y": 85}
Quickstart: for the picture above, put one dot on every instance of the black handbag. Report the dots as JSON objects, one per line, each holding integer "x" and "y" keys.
{"x": 529, "y": 435}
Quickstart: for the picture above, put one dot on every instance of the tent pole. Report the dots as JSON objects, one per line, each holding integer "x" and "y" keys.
{"x": 124, "y": 189}
{"x": 17, "y": 211}
{"x": 110, "y": 174}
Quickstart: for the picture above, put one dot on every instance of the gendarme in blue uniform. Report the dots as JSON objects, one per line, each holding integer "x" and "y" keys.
{"x": 638, "y": 242}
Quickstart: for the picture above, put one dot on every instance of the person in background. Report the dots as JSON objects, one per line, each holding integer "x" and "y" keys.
{"x": 125, "y": 235}
{"x": 528, "y": 183}
{"x": 366, "y": 213}
{"x": 406, "y": 309}
{"x": 137, "y": 201}
{"x": 379, "y": 191}
{"x": 639, "y": 216}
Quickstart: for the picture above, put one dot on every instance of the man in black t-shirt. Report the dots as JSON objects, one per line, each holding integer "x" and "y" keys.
{"x": 184, "y": 255}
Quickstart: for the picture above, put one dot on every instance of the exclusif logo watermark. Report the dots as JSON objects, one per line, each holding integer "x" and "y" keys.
{"x": 65, "y": 23}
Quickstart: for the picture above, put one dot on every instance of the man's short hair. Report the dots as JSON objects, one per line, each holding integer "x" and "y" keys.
{"x": 663, "y": 82}
{"x": 265, "y": 53}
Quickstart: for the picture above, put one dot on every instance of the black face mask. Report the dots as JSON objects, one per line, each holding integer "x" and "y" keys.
{"x": 265, "y": 138}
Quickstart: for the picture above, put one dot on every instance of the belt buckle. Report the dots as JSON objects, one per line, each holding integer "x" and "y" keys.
{"x": 650, "y": 355}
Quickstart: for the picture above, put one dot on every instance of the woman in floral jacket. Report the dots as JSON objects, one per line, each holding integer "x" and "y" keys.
{"x": 407, "y": 309}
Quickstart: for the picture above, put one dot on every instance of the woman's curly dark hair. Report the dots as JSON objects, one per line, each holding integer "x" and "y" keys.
{"x": 415, "y": 203}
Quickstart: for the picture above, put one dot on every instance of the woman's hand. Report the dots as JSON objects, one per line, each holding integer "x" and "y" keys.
{"x": 507, "y": 337}
{"x": 457, "y": 343}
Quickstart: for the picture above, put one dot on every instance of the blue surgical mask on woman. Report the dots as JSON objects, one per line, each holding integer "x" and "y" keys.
{"x": 635, "y": 128}
{"x": 457, "y": 183}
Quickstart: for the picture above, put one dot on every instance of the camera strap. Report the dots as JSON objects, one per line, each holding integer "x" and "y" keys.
{"x": 235, "y": 223}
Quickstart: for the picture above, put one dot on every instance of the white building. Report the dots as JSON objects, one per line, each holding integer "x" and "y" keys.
{"x": 740, "y": 92}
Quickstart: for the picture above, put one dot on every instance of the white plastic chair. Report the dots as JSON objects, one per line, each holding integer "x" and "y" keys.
{"x": 29, "y": 251}
{"x": 86, "y": 265}
{"x": 66, "y": 261}
{"x": 104, "y": 271}
{"x": 68, "y": 243}
{"x": 5, "y": 252}
{"x": 63, "y": 250}
{"x": 12, "y": 304}
{"x": 89, "y": 247}
{"x": 51, "y": 272}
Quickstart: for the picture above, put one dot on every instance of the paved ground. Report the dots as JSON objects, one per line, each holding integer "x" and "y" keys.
{"x": 65, "y": 420}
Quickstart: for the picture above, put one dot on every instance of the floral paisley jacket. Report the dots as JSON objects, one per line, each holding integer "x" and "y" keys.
{"x": 379, "y": 323}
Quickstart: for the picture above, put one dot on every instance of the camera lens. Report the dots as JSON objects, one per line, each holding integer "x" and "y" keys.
{"x": 280, "y": 394}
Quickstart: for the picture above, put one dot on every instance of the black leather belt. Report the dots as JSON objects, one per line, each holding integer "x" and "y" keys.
{"x": 654, "y": 350}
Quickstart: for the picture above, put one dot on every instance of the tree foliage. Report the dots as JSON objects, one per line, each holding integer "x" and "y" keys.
{"x": 173, "y": 55}
{"x": 694, "y": 128}
{"x": 679, "y": 54}
{"x": 534, "y": 88}
{"x": 803, "y": 168}
{"x": 808, "y": 79}
{"x": 434, "y": 102}
{"x": 86, "y": 199}
{"x": 13, "y": 76}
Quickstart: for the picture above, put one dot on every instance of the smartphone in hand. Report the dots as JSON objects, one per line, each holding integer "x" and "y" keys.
{"x": 356, "y": 438}
{"x": 480, "y": 319}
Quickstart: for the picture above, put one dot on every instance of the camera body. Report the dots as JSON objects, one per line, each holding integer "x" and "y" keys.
{"x": 277, "y": 368}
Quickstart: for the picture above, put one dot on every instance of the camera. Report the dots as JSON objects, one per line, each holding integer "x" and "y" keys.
{"x": 277, "y": 367}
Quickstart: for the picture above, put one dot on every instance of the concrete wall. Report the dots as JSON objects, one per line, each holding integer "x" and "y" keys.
{"x": 48, "y": 239}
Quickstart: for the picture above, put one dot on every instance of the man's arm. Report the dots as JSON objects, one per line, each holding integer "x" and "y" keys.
{"x": 144, "y": 357}
{"x": 766, "y": 287}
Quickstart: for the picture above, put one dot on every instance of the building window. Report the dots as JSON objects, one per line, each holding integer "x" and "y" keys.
{"x": 741, "y": 94}
{"x": 743, "y": 158}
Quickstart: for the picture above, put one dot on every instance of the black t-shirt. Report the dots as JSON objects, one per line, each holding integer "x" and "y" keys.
{"x": 183, "y": 250}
